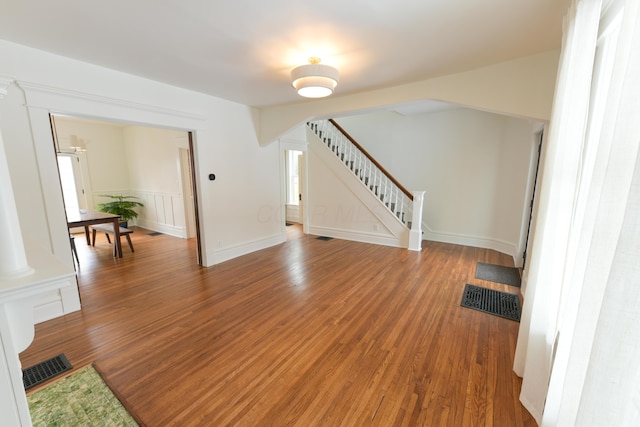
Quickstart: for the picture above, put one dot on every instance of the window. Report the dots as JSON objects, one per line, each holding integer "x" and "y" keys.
{"x": 68, "y": 182}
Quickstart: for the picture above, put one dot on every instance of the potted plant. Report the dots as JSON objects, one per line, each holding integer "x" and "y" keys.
{"x": 121, "y": 205}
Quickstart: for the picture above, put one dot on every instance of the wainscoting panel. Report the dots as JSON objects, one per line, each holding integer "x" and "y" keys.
{"x": 162, "y": 212}
{"x": 293, "y": 213}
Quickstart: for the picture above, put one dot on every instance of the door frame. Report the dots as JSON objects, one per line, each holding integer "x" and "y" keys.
{"x": 526, "y": 233}
{"x": 188, "y": 196}
{"x": 290, "y": 144}
{"x": 185, "y": 166}
{"x": 41, "y": 101}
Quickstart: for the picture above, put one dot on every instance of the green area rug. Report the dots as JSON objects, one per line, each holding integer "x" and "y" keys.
{"x": 80, "y": 399}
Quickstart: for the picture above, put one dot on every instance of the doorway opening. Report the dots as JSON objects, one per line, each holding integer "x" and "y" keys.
{"x": 295, "y": 199}
{"x": 154, "y": 165}
{"x": 294, "y": 173}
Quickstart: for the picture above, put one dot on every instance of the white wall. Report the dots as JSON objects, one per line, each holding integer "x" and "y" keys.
{"x": 105, "y": 156}
{"x": 153, "y": 161}
{"x": 473, "y": 166}
{"x": 333, "y": 207}
{"x": 152, "y": 158}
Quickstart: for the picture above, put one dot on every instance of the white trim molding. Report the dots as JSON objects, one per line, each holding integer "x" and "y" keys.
{"x": 5, "y": 82}
{"x": 474, "y": 241}
{"x": 42, "y": 96}
{"x": 225, "y": 254}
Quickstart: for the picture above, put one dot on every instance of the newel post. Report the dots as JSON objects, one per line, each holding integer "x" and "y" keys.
{"x": 415, "y": 234}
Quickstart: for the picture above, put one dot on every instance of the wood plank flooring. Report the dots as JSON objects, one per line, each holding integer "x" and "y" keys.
{"x": 307, "y": 333}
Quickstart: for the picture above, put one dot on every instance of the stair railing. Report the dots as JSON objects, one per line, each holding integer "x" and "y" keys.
{"x": 400, "y": 201}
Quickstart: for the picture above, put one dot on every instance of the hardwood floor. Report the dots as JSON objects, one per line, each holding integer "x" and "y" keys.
{"x": 307, "y": 333}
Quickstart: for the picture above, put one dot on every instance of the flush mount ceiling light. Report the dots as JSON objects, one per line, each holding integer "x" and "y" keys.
{"x": 314, "y": 80}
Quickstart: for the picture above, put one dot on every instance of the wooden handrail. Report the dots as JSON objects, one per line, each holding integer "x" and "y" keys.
{"x": 374, "y": 161}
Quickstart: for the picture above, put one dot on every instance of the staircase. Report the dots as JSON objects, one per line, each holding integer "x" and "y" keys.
{"x": 403, "y": 204}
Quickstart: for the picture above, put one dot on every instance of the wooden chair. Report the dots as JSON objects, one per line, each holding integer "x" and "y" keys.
{"x": 74, "y": 251}
{"x": 107, "y": 229}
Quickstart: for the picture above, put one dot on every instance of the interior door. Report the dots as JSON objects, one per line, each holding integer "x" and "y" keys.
{"x": 302, "y": 179}
{"x": 74, "y": 192}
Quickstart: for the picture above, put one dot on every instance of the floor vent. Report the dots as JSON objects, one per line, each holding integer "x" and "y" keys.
{"x": 155, "y": 233}
{"x": 498, "y": 303}
{"x": 324, "y": 238}
{"x": 44, "y": 371}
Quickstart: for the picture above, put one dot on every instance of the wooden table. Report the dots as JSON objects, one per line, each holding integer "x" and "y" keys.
{"x": 86, "y": 217}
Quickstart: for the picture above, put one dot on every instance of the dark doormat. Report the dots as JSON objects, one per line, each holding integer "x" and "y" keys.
{"x": 324, "y": 238}
{"x": 43, "y": 371}
{"x": 498, "y": 274}
{"x": 498, "y": 303}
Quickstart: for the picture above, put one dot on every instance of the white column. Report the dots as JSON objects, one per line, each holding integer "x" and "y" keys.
{"x": 415, "y": 235}
{"x": 13, "y": 258}
{"x": 13, "y": 399}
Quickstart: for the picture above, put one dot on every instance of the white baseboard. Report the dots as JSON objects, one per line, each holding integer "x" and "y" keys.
{"x": 171, "y": 230}
{"x": 362, "y": 237}
{"x": 57, "y": 302}
{"x": 474, "y": 241}
{"x": 47, "y": 310}
{"x": 225, "y": 254}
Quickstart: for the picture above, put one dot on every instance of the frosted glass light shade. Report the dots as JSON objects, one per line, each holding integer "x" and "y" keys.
{"x": 314, "y": 80}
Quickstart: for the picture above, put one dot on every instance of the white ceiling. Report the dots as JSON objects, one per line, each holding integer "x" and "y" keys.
{"x": 243, "y": 50}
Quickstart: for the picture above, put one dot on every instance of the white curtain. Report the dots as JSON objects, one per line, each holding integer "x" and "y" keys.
{"x": 558, "y": 183}
{"x": 579, "y": 346}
